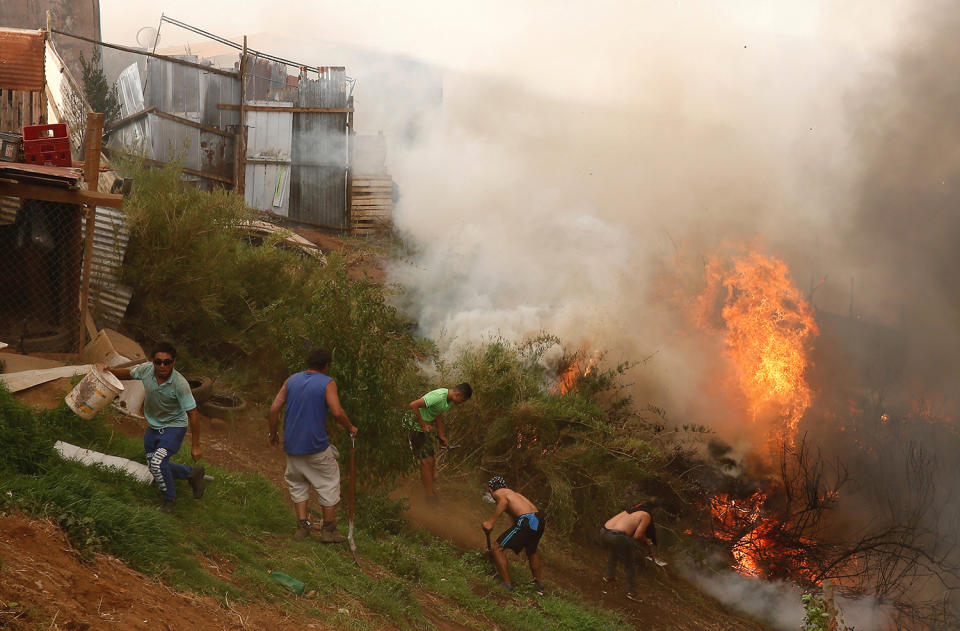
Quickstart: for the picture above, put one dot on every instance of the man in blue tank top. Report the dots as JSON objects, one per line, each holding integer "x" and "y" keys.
{"x": 309, "y": 397}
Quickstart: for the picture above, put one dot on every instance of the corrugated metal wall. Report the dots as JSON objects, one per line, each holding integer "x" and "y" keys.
{"x": 21, "y": 60}
{"x": 269, "y": 140}
{"x": 318, "y": 185}
{"x": 108, "y": 298}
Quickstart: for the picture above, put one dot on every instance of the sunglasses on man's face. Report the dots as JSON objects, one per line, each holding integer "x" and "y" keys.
{"x": 162, "y": 362}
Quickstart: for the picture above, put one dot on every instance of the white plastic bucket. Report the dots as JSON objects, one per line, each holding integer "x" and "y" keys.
{"x": 94, "y": 392}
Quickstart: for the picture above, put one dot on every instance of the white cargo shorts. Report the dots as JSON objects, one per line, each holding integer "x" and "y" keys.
{"x": 320, "y": 471}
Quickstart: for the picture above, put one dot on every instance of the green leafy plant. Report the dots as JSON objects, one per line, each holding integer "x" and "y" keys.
{"x": 817, "y": 616}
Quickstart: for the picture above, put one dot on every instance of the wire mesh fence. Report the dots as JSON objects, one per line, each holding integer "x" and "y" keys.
{"x": 40, "y": 268}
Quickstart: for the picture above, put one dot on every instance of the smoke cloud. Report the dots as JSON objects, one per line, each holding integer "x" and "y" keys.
{"x": 778, "y": 604}
{"x": 559, "y": 197}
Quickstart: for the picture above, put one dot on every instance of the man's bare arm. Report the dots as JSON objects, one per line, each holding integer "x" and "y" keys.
{"x": 273, "y": 421}
{"x": 441, "y": 436}
{"x": 333, "y": 402}
{"x": 416, "y": 405}
{"x": 120, "y": 373}
{"x": 501, "y": 506}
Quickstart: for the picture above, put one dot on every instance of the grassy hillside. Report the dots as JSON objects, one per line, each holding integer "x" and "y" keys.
{"x": 243, "y": 526}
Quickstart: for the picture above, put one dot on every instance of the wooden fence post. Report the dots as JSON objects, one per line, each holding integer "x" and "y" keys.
{"x": 91, "y": 172}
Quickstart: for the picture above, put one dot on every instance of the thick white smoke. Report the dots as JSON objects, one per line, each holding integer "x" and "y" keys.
{"x": 552, "y": 198}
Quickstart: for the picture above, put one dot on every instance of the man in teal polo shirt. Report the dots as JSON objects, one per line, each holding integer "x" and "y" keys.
{"x": 417, "y": 420}
{"x": 169, "y": 408}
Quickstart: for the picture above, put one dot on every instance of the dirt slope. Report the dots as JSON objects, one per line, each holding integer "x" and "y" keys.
{"x": 44, "y": 584}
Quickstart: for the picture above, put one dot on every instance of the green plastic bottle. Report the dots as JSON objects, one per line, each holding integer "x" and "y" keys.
{"x": 287, "y": 581}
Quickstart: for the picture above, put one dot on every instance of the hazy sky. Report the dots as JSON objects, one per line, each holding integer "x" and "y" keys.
{"x": 543, "y": 41}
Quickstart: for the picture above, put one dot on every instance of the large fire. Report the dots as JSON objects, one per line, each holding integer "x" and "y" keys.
{"x": 768, "y": 327}
{"x": 756, "y": 547}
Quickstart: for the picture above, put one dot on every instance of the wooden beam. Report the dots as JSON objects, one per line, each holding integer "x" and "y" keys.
{"x": 129, "y": 119}
{"x": 351, "y": 141}
{"x": 173, "y": 60}
{"x": 240, "y": 162}
{"x": 91, "y": 173}
{"x": 203, "y": 174}
{"x": 190, "y": 123}
{"x": 271, "y": 108}
{"x": 59, "y": 195}
{"x": 94, "y": 140}
{"x": 240, "y": 147}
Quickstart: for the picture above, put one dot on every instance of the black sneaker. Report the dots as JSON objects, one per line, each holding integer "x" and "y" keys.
{"x": 168, "y": 507}
{"x": 197, "y": 483}
{"x": 537, "y": 587}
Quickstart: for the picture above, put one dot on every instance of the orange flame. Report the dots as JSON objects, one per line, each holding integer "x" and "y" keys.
{"x": 752, "y": 531}
{"x": 730, "y": 519}
{"x": 768, "y": 327}
{"x": 578, "y": 368}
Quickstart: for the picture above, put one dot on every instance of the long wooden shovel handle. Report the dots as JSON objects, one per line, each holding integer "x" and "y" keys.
{"x": 353, "y": 473}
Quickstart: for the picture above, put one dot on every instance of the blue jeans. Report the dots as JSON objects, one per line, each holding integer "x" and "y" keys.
{"x": 159, "y": 445}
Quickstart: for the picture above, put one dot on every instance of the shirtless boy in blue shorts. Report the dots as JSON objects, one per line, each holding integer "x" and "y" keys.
{"x": 524, "y": 534}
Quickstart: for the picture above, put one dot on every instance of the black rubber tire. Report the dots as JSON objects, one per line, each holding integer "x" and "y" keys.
{"x": 201, "y": 387}
{"x": 54, "y": 341}
{"x": 223, "y": 405}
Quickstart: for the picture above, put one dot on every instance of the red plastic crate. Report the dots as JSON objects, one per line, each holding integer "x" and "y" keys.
{"x": 38, "y": 132}
{"x": 49, "y": 158}
{"x": 52, "y": 151}
{"x": 47, "y": 144}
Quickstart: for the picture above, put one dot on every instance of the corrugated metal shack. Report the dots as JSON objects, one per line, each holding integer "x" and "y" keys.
{"x": 281, "y": 138}
{"x": 46, "y": 256}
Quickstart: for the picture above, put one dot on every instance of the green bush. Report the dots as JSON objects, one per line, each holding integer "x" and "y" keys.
{"x": 374, "y": 360}
{"x": 223, "y": 300}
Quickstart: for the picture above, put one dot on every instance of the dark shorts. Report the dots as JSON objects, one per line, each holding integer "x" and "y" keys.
{"x": 424, "y": 445}
{"x": 523, "y": 535}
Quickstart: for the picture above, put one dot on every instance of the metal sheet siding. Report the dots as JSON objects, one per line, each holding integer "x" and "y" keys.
{"x": 21, "y": 60}
{"x": 318, "y": 190}
{"x": 108, "y": 298}
{"x": 269, "y": 140}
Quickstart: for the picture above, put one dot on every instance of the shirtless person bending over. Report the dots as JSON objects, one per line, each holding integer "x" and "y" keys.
{"x": 632, "y": 524}
{"x": 523, "y": 535}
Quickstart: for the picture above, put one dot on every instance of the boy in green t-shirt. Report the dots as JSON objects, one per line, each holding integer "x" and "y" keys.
{"x": 417, "y": 420}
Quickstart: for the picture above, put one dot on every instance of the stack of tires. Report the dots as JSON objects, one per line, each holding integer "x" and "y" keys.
{"x": 214, "y": 404}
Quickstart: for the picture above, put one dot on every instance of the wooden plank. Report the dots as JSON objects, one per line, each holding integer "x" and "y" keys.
{"x": 91, "y": 169}
{"x": 17, "y": 381}
{"x": 271, "y": 108}
{"x": 372, "y": 210}
{"x": 48, "y": 194}
{"x": 240, "y": 147}
{"x": 129, "y": 119}
{"x": 203, "y": 174}
{"x": 190, "y": 123}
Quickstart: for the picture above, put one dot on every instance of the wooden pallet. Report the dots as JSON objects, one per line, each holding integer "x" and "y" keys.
{"x": 371, "y": 208}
